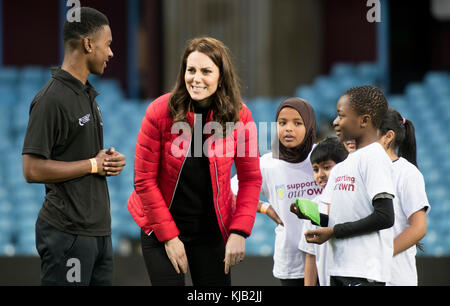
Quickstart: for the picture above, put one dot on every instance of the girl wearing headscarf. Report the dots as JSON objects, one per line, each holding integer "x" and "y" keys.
{"x": 287, "y": 174}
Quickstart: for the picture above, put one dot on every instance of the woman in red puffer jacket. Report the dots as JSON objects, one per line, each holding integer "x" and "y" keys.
{"x": 187, "y": 144}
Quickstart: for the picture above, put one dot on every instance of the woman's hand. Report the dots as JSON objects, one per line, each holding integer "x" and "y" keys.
{"x": 177, "y": 255}
{"x": 234, "y": 251}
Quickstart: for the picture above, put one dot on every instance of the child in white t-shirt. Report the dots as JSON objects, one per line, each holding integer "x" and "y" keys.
{"x": 324, "y": 157}
{"x": 287, "y": 174}
{"x": 360, "y": 190}
{"x": 410, "y": 202}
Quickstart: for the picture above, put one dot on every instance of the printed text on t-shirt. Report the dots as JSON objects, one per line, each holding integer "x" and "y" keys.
{"x": 345, "y": 183}
{"x": 298, "y": 190}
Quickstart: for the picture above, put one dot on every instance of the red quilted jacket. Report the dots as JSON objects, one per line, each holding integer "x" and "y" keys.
{"x": 159, "y": 158}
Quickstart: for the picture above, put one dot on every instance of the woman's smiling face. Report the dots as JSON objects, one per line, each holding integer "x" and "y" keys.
{"x": 201, "y": 77}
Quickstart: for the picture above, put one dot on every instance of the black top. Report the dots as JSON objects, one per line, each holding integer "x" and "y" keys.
{"x": 193, "y": 207}
{"x": 65, "y": 125}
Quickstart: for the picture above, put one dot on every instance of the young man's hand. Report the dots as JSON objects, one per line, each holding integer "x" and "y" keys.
{"x": 114, "y": 162}
{"x": 100, "y": 159}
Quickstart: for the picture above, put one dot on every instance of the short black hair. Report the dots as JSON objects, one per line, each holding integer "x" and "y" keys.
{"x": 90, "y": 22}
{"x": 328, "y": 149}
{"x": 368, "y": 100}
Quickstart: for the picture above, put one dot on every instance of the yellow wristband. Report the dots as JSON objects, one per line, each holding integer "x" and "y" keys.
{"x": 94, "y": 168}
{"x": 264, "y": 207}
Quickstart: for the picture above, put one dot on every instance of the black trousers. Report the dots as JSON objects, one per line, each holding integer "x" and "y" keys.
{"x": 353, "y": 281}
{"x": 73, "y": 260}
{"x": 296, "y": 282}
{"x": 205, "y": 259}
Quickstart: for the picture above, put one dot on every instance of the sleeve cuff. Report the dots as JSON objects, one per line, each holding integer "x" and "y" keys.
{"x": 239, "y": 233}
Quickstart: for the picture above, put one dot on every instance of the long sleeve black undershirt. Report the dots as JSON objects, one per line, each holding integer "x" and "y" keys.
{"x": 382, "y": 218}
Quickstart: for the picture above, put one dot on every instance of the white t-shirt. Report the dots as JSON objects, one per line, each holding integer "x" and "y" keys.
{"x": 351, "y": 187}
{"x": 318, "y": 250}
{"x": 410, "y": 197}
{"x": 283, "y": 182}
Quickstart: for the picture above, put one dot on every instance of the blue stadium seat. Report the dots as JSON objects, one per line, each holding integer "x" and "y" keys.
{"x": 26, "y": 93}
{"x": 13, "y": 169}
{"x": 7, "y": 249}
{"x": 259, "y": 248}
{"x": 116, "y": 225}
{"x": 94, "y": 79}
{"x": 328, "y": 92}
{"x": 9, "y": 76}
{"x": 36, "y": 76}
{"x": 370, "y": 72}
{"x": 26, "y": 212}
{"x": 343, "y": 69}
{"x": 261, "y": 242}
{"x": 115, "y": 240}
{"x": 129, "y": 227}
{"x": 437, "y": 79}
{"x": 6, "y": 227}
{"x": 349, "y": 81}
{"x": 26, "y": 248}
{"x": 442, "y": 105}
{"x": 309, "y": 94}
{"x": 436, "y": 240}
{"x": 111, "y": 88}
{"x": 8, "y": 95}
{"x": 399, "y": 103}
{"x": 262, "y": 109}
{"x": 415, "y": 91}
{"x": 5, "y": 124}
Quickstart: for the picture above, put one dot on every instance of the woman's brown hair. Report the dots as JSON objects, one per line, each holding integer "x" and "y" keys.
{"x": 226, "y": 102}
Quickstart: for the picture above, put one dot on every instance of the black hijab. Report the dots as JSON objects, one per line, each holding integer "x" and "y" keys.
{"x": 300, "y": 152}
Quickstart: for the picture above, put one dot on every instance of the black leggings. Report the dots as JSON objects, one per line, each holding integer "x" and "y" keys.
{"x": 205, "y": 259}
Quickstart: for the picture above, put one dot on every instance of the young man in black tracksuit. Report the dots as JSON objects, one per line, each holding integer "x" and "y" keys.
{"x": 63, "y": 149}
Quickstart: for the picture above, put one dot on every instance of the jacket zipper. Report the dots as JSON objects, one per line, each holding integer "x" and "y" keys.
{"x": 179, "y": 174}
{"x": 181, "y": 169}
{"x": 217, "y": 200}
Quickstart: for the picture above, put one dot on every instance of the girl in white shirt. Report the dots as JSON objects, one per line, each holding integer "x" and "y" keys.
{"x": 410, "y": 202}
{"x": 287, "y": 174}
{"x": 360, "y": 191}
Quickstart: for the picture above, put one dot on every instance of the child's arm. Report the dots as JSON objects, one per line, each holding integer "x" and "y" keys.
{"x": 323, "y": 217}
{"x": 381, "y": 218}
{"x": 413, "y": 233}
{"x": 310, "y": 270}
{"x": 266, "y": 208}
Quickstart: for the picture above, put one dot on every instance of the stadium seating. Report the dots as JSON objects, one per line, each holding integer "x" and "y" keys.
{"x": 426, "y": 104}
